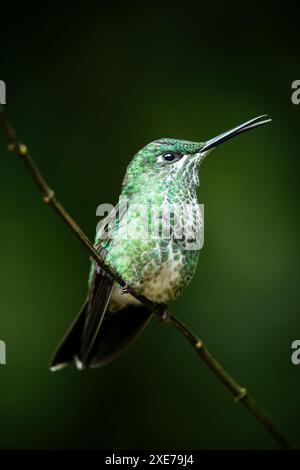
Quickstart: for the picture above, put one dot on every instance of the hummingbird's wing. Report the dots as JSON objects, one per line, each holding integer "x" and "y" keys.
{"x": 107, "y": 334}
{"x": 98, "y": 300}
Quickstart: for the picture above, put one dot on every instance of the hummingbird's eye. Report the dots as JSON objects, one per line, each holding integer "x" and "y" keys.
{"x": 170, "y": 157}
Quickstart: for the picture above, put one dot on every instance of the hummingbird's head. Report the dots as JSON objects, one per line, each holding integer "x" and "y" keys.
{"x": 173, "y": 160}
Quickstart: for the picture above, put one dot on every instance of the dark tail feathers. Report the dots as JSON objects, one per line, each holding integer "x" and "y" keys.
{"x": 115, "y": 333}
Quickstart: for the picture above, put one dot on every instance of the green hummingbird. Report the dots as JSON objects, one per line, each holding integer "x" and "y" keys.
{"x": 151, "y": 241}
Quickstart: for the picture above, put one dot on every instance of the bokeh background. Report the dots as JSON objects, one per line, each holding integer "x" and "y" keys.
{"x": 87, "y": 86}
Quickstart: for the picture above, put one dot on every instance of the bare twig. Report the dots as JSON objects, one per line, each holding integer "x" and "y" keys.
{"x": 240, "y": 394}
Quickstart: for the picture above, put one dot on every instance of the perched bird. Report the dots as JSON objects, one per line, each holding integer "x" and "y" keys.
{"x": 151, "y": 240}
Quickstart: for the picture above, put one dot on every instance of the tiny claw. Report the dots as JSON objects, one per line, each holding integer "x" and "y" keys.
{"x": 126, "y": 289}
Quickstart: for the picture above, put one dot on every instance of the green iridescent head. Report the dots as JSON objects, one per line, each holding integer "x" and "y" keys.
{"x": 174, "y": 160}
{"x": 164, "y": 158}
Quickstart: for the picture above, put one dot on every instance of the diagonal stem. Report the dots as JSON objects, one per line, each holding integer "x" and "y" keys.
{"x": 240, "y": 394}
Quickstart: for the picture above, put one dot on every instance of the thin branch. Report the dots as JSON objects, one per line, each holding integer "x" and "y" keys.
{"x": 240, "y": 394}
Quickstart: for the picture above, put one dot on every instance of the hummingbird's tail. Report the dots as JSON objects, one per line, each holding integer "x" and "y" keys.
{"x": 98, "y": 336}
{"x": 118, "y": 331}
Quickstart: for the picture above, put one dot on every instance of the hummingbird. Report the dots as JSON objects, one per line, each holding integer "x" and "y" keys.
{"x": 157, "y": 265}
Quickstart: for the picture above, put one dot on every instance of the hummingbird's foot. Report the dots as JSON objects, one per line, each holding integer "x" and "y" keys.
{"x": 127, "y": 289}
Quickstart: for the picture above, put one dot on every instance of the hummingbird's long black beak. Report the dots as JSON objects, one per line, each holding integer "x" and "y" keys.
{"x": 247, "y": 126}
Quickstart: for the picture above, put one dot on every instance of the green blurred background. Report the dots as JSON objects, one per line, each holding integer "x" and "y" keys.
{"x": 87, "y": 86}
